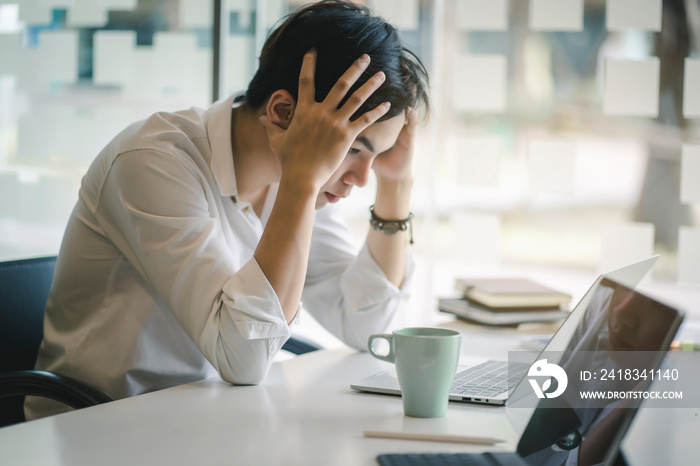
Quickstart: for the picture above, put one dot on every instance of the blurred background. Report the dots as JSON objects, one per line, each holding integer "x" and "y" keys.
{"x": 564, "y": 133}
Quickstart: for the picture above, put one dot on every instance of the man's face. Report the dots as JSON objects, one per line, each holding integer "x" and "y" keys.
{"x": 355, "y": 168}
{"x": 636, "y": 323}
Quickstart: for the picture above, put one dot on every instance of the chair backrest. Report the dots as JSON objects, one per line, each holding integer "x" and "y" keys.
{"x": 24, "y": 288}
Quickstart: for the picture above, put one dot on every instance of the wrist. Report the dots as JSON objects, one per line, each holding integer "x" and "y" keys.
{"x": 393, "y": 198}
{"x": 395, "y": 183}
{"x": 298, "y": 188}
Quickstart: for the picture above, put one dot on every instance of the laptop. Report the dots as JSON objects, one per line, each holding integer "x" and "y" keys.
{"x": 620, "y": 331}
{"x": 488, "y": 381}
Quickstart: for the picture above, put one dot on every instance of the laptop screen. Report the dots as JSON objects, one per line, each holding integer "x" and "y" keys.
{"x": 620, "y": 331}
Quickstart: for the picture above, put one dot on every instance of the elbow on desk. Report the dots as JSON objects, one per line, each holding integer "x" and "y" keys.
{"x": 251, "y": 378}
{"x": 247, "y": 366}
{"x": 247, "y": 376}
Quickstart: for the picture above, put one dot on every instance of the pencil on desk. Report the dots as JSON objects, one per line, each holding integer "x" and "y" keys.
{"x": 431, "y": 437}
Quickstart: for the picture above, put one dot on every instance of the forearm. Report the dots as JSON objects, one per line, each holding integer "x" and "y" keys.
{"x": 357, "y": 302}
{"x": 389, "y": 251}
{"x": 283, "y": 250}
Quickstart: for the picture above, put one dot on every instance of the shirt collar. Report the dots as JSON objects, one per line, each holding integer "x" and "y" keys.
{"x": 218, "y": 121}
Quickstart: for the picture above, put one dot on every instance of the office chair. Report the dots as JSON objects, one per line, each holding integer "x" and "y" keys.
{"x": 24, "y": 289}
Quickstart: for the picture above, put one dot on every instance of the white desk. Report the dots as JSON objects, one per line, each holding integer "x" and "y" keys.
{"x": 303, "y": 414}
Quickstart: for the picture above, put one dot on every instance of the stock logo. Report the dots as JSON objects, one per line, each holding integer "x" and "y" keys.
{"x": 542, "y": 369}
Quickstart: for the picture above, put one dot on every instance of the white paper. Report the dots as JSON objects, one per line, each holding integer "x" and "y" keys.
{"x": 691, "y": 88}
{"x": 402, "y": 14}
{"x": 556, "y": 15}
{"x": 477, "y": 160}
{"x": 174, "y": 65}
{"x": 113, "y": 57}
{"x": 625, "y": 243}
{"x": 633, "y": 14}
{"x": 52, "y": 64}
{"x": 690, "y": 174}
{"x": 631, "y": 87}
{"x": 9, "y": 19}
{"x": 196, "y": 14}
{"x": 476, "y": 237}
{"x": 689, "y": 255}
{"x": 174, "y": 58}
{"x": 86, "y": 13}
{"x": 480, "y": 83}
{"x": 36, "y": 11}
{"x": 552, "y": 165}
{"x": 482, "y": 15}
{"x": 59, "y": 55}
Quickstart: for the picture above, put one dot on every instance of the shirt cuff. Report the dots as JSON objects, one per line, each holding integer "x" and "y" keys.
{"x": 253, "y": 304}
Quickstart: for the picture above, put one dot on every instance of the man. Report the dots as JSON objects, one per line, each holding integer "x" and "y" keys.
{"x": 198, "y": 233}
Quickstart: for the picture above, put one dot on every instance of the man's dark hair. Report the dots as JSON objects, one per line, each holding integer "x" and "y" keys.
{"x": 340, "y": 32}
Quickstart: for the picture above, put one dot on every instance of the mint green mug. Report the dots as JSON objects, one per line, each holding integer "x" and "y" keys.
{"x": 426, "y": 361}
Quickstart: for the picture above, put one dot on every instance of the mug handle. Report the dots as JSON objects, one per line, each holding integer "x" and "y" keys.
{"x": 384, "y": 357}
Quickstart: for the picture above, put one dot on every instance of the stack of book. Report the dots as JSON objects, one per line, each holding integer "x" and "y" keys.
{"x": 506, "y": 301}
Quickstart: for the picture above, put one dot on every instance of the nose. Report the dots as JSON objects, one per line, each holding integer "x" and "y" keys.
{"x": 358, "y": 173}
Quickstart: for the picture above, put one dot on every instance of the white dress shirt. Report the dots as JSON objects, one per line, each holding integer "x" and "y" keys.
{"x": 156, "y": 284}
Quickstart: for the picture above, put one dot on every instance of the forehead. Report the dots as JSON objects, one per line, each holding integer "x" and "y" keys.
{"x": 383, "y": 134}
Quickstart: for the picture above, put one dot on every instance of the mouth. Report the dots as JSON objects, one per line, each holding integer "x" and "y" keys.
{"x": 332, "y": 197}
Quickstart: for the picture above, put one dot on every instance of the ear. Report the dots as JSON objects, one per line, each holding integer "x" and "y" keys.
{"x": 280, "y": 108}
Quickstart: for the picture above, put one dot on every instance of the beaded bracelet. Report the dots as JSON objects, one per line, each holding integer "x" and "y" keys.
{"x": 391, "y": 227}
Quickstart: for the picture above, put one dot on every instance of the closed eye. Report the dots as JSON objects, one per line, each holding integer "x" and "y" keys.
{"x": 354, "y": 151}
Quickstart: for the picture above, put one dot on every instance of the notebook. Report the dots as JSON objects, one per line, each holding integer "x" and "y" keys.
{"x": 505, "y": 293}
{"x": 620, "y": 328}
{"x": 489, "y": 381}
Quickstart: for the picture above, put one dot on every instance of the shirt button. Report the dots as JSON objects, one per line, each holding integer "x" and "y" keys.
{"x": 247, "y": 208}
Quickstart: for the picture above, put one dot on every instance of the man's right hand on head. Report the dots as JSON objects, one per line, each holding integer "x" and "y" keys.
{"x": 318, "y": 135}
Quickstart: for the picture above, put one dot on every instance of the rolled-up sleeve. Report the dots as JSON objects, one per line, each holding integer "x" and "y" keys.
{"x": 346, "y": 291}
{"x": 155, "y": 208}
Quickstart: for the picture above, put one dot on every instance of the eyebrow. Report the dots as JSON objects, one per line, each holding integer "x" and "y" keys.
{"x": 365, "y": 142}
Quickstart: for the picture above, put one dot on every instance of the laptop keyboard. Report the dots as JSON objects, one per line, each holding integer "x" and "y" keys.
{"x": 450, "y": 459}
{"x": 488, "y": 379}
{"x": 432, "y": 459}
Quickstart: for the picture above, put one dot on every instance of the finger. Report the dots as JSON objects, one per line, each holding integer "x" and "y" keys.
{"x": 411, "y": 123}
{"x": 266, "y": 122}
{"x": 411, "y": 116}
{"x": 269, "y": 126}
{"x": 307, "y": 86}
{"x": 370, "y": 117}
{"x": 359, "y": 97}
{"x": 343, "y": 85}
